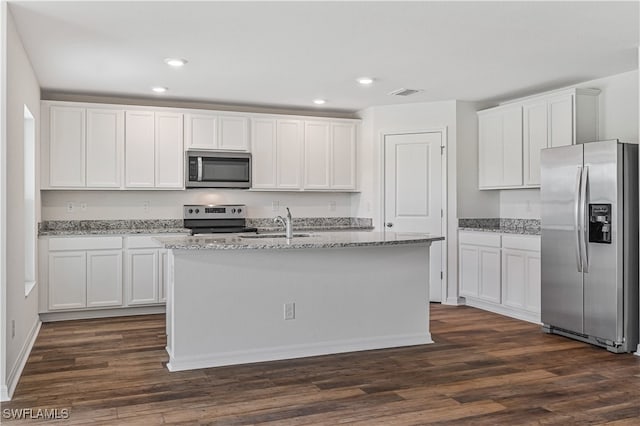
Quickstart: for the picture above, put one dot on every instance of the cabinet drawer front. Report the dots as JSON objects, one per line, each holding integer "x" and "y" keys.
{"x": 143, "y": 242}
{"x": 521, "y": 242}
{"x": 489, "y": 239}
{"x": 85, "y": 243}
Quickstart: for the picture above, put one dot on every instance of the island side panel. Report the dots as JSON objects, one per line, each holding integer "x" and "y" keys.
{"x": 227, "y": 306}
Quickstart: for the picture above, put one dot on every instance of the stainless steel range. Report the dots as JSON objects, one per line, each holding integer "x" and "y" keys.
{"x": 214, "y": 219}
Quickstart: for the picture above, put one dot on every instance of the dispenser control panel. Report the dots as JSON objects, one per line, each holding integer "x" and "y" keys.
{"x": 600, "y": 223}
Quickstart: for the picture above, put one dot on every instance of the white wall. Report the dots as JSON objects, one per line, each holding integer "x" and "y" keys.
{"x": 377, "y": 121}
{"x": 22, "y": 89}
{"x": 168, "y": 204}
{"x": 472, "y": 203}
{"x": 618, "y": 119}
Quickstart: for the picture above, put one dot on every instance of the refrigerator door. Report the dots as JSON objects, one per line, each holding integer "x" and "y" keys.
{"x": 562, "y": 289}
{"x": 603, "y": 278}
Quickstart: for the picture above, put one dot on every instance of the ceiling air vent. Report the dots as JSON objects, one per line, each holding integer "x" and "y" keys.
{"x": 405, "y": 92}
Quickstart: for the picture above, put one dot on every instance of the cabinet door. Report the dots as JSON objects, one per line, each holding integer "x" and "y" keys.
{"x": 234, "y": 133}
{"x": 560, "y": 112}
{"x": 512, "y": 147}
{"x": 104, "y": 278}
{"x": 469, "y": 268}
{"x": 263, "y": 153}
{"x": 317, "y": 154}
{"x": 67, "y": 280}
{"x": 139, "y": 149}
{"x": 532, "y": 300}
{"x": 169, "y": 151}
{"x": 514, "y": 278}
{"x": 490, "y": 153}
{"x": 289, "y": 142}
{"x": 142, "y": 276}
{"x": 105, "y": 138}
{"x": 343, "y": 156}
{"x": 163, "y": 274}
{"x": 201, "y": 131}
{"x": 67, "y": 147}
{"x": 489, "y": 274}
{"x": 535, "y": 139}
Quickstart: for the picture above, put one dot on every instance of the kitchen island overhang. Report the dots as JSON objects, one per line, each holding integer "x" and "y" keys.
{"x": 228, "y": 296}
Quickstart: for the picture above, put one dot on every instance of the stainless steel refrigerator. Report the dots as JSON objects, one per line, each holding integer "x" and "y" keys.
{"x": 589, "y": 212}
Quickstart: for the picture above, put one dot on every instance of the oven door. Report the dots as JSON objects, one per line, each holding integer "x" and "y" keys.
{"x": 218, "y": 170}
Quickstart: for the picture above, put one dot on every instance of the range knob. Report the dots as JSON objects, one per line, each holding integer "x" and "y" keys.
{"x": 190, "y": 211}
{"x": 233, "y": 210}
{"x": 239, "y": 210}
{"x": 197, "y": 211}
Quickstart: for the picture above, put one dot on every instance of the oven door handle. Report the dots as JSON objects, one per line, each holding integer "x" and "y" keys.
{"x": 199, "y": 169}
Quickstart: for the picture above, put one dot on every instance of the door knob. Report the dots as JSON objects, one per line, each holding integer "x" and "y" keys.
{"x": 389, "y": 224}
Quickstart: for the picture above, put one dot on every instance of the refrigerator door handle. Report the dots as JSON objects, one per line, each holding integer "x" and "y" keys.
{"x": 583, "y": 217}
{"x": 576, "y": 218}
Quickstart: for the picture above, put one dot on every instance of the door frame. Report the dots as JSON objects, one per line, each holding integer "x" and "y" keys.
{"x": 444, "y": 198}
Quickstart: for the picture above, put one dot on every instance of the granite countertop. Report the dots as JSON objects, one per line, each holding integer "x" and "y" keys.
{"x": 69, "y": 228}
{"x": 314, "y": 240}
{"x": 501, "y": 225}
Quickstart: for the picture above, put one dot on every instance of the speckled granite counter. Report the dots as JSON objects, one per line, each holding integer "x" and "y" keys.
{"x": 175, "y": 226}
{"x": 501, "y": 225}
{"x": 313, "y": 240}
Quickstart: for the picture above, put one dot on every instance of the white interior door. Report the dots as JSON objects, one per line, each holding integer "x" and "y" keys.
{"x": 413, "y": 193}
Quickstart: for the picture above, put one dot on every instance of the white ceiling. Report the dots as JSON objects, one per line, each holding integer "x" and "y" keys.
{"x": 285, "y": 54}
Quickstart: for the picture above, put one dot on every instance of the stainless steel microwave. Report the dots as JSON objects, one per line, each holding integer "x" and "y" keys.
{"x": 210, "y": 169}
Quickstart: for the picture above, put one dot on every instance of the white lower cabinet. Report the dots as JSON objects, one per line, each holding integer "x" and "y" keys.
{"x": 84, "y": 273}
{"x": 501, "y": 273}
{"x": 145, "y": 281}
{"x": 87, "y": 273}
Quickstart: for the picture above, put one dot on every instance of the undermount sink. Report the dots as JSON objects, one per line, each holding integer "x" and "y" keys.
{"x": 273, "y": 235}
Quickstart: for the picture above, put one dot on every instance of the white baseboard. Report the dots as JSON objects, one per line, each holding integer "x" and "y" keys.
{"x": 637, "y": 352}
{"x": 454, "y": 301}
{"x": 7, "y": 389}
{"x": 504, "y": 310}
{"x": 294, "y": 351}
{"x": 102, "y": 313}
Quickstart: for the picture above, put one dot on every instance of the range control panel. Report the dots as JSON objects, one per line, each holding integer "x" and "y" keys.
{"x": 220, "y": 211}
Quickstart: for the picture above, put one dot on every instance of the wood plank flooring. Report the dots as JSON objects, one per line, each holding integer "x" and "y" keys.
{"x": 483, "y": 369}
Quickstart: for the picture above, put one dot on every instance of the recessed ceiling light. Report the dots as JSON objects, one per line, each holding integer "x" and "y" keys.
{"x": 159, "y": 89}
{"x": 319, "y": 101}
{"x": 176, "y": 62}
{"x": 365, "y": 81}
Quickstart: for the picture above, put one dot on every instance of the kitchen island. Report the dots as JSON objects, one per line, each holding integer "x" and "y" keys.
{"x": 249, "y": 298}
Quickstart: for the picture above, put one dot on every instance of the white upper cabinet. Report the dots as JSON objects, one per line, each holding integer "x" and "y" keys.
{"x": 317, "y": 154}
{"x": 140, "y": 150}
{"x": 343, "y": 156}
{"x": 154, "y": 156}
{"x": 169, "y": 154}
{"x": 263, "y": 153}
{"x": 556, "y": 119}
{"x": 289, "y": 148}
{"x": 67, "y": 147}
{"x": 500, "y": 148}
{"x": 105, "y": 139}
{"x": 81, "y": 147}
{"x": 216, "y": 132}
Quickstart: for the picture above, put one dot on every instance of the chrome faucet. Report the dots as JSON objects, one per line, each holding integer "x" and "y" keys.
{"x": 286, "y": 222}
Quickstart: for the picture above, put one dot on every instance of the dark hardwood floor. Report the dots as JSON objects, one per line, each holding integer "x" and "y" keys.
{"x": 483, "y": 369}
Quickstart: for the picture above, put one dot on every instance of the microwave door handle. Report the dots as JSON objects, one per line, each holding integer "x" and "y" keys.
{"x": 576, "y": 218}
{"x": 199, "y": 169}
{"x": 583, "y": 216}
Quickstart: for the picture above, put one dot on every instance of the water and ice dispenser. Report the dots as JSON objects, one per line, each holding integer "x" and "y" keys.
{"x": 600, "y": 223}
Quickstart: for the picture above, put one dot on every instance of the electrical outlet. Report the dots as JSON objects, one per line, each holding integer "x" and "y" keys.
{"x": 83, "y": 207}
{"x": 332, "y": 206}
{"x": 145, "y": 206}
{"x": 289, "y": 311}
{"x": 70, "y": 206}
{"x": 275, "y": 206}
{"x": 13, "y": 328}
